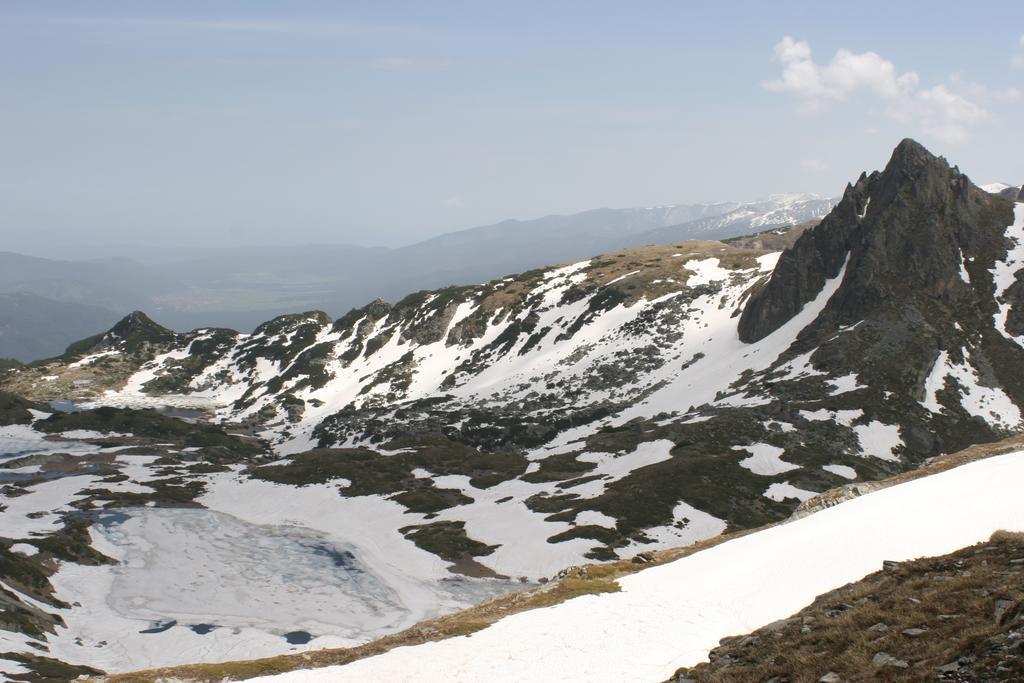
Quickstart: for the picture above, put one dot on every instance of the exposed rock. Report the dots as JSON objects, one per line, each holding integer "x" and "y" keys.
{"x": 884, "y": 659}
{"x": 833, "y": 497}
{"x": 897, "y": 246}
{"x": 431, "y": 329}
{"x": 1002, "y": 605}
{"x": 779, "y": 625}
{"x": 643, "y": 558}
{"x": 579, "y": 572}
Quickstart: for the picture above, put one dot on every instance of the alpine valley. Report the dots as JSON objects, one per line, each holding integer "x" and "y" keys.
{"x": 182, "y": 498}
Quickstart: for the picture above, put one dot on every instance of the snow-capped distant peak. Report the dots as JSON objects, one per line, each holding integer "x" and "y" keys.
{"x": 995, "y": 188}
{"x": 788, "y": 198}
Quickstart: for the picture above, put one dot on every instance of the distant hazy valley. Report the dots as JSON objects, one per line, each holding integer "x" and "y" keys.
{"x": 242, "y": 287}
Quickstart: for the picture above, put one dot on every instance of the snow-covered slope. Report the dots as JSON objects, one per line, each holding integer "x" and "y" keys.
{"x": 593, "y": 335}
{"x": 673, "y": 615}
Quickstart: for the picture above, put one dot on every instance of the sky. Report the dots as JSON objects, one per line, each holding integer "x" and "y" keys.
{"x": 218, "y": 124}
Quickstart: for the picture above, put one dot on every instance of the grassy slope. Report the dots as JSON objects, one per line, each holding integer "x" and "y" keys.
{"x": 958, "y": 617}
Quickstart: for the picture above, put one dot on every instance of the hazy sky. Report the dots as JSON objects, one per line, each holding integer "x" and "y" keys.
{"x": 385, "y": 122}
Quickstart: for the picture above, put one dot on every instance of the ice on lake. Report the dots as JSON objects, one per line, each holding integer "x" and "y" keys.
{"x": 194, "y": 584}
{"x": 202, "y": 566}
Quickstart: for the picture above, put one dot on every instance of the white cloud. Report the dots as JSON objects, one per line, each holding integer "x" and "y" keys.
{"x": 983, "y": 93}
{"x": 813, "y": 164}
{"x": 944, "y": 112}
{"x": 847, "y": 73}
{"x": 1018, "y": 57}
{"x": 946, "y": 115}
{"x": 453, "y": 202}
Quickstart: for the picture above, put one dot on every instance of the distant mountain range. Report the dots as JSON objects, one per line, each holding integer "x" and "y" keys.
{"x": 239, "y": 288}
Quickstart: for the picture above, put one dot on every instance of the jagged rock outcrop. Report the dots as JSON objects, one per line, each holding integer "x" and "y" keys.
{"x": 906, "y": 232}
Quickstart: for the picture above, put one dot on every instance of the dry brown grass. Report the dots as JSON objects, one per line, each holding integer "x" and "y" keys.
{"x": 110, "y": 372}
{"x": 772, "y": 240}
{"x": 648, "y": 271}
{"x": 655, "y": 270}
{"x": 953, "y": 598}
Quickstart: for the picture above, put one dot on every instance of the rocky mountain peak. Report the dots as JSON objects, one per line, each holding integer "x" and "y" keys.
{"x": 910, "y": 154}
{"x": 131, "y": 333}
{"x": 134, "y": 323}
{"x": 136, "y": 329}
{"x": 904, "y": 232}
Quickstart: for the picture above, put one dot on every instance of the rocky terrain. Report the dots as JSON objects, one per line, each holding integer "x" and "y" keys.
{"x": 956, "y": 617}
{"x": 497, "y": 433}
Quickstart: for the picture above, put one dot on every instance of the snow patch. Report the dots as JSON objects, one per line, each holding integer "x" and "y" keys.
{"x": 844, "y": 384}
{"x": 879, "y": 439}
{"x": 780, "y": 491}
{"x": 1004, "y": 273}
{"x": 593, "y": 517}
{"x": 843, "y": 417}
{"x": 842, "y": 470}
{"x": 992, "y": 404}
{"x": 765, "y": 459}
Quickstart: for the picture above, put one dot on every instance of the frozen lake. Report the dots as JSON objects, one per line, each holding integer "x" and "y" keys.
{"x": 194, "y": 566}
{"x": 201, "y": 585}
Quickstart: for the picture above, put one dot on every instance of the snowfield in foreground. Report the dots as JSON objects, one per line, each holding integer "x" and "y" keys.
{"x": 673, "y": 615}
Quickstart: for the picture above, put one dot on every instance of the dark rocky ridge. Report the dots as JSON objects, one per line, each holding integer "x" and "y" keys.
{"x": 903, "y": 230}
{"x": 920, "y": 242}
